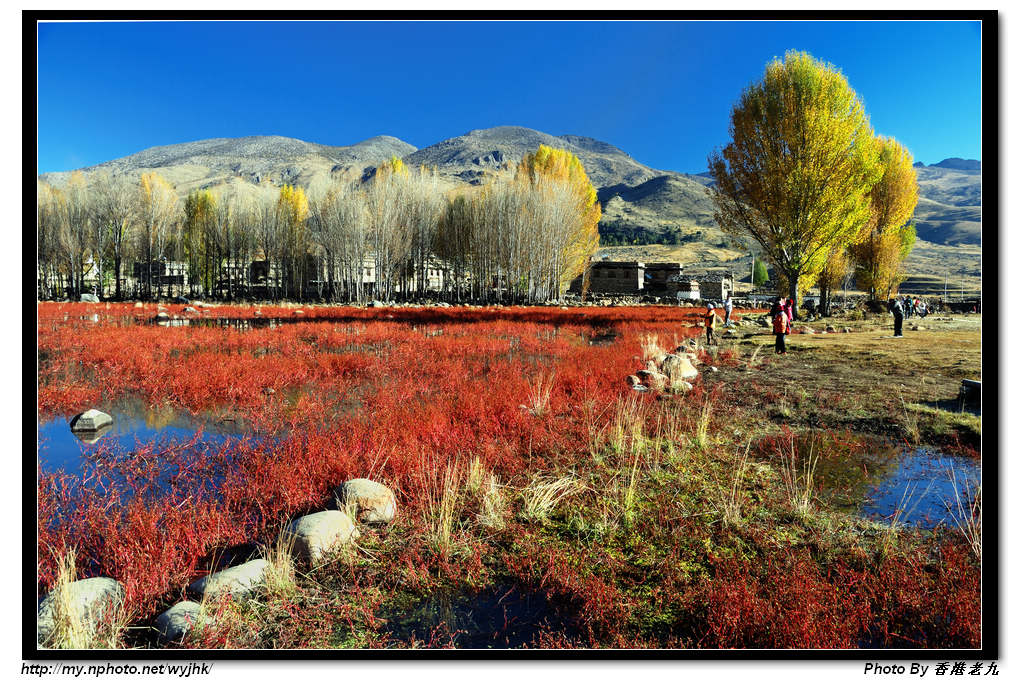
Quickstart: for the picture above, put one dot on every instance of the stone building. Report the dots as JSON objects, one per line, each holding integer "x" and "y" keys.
{"x": 686, "y": 289}
{"x": 615, "y": 277}
{"x": 715, "y": 286}
{"x": 658, "y": 275}
{"x": 710, "y": 286}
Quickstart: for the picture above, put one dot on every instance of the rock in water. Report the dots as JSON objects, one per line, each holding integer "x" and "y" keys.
{"x": 239, "y": 582}
{"x": 319, "y": 534}
{"x": 91, "y": 421}
{"x": 369, "y": 501}
{"x": 92, "y": 436}
{"x": 88, "y": 601}
{"x": 173, "y": 624}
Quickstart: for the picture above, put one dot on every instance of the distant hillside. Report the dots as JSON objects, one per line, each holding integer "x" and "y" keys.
{"x": 257, "y": 160}
{"x": 640, "y": 205}
{"x": 471, "y": 157}
{"x": 671, "y": 209}
{"x": 949, "y": 210}
{"x": 959, "y": 164}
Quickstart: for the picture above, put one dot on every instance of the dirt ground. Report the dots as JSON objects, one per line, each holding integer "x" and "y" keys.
{"x": 864, "y": 380}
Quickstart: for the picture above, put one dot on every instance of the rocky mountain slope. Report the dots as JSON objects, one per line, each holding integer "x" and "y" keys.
{"x": 641, "y": 205}
{"x": 469, "y": 158}
{"x": 256, "y": 160}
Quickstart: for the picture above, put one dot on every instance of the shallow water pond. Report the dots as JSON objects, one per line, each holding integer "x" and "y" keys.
{"x": 134, "y": 425}
{"x": 885, "y": 481}
{"x": 497, "y": 617}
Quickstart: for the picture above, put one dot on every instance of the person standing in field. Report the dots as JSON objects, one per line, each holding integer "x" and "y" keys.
{"x": 710, "y": 325}
{"x": 897, "y": 311}
{"x": 777, "y": 307}
{"x": 788, "y": 310}
{"x": 728, "y": 306}
{"x": 780, "y": 327}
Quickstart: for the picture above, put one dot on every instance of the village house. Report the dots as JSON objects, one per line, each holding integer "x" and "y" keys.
{"x": 709, "y": 286}
{"x": 161, "y": 273}
{"x": 657, "y": 277}
{"x": 615, "y": 277}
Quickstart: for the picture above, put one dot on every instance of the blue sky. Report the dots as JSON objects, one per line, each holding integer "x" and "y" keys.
{"x": 661, "y": 91}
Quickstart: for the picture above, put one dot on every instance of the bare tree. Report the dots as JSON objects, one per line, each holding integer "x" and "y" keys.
{"x": 73, "y": 217}
{"x": 48, "y": 233}
{"x": 341, "y": 230}
{"x": 113, "y": 207}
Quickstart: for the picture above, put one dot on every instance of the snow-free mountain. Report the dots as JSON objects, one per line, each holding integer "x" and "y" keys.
{"x": 639, "y": 203}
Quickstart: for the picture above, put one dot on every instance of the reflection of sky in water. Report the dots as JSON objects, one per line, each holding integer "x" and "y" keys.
{"x": 922, "y": 483}
{"x": 874, "y": 477}
{"x": 61, "y": 449}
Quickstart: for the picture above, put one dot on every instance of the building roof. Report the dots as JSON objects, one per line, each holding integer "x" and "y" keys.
{"x": 614, "y": 263}
{"x": 707, "y": 277}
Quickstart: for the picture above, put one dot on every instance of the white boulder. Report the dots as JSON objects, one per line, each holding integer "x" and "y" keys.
{"x": 319, "y": 534}
{"x": 369, "y": 501}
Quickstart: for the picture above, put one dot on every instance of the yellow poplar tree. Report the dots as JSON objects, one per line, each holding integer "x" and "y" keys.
{"x": 797, "y": 174}
{"x": 292, "y": 213}
{"x": 199, "y": 219}
{"x": 890, "y": 236}
{"x": 583, "y": 235}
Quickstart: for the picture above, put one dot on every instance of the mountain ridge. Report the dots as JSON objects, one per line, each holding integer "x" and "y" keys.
{"x": 640, "y": 203}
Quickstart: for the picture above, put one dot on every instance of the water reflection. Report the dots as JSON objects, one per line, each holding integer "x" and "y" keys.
{"x": 134, "y": 425}
{"x": 92, "y": 436}
{"x": 884, "y": 481}
{"x": 496, "y": 617}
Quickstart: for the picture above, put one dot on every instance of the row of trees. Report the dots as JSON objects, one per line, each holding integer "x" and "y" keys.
{"x": 808, "y": 179}
{"x": 523, "y": 236}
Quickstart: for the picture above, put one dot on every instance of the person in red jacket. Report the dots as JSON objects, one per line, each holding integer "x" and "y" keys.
{"x": 789, "y": 314}
{"x": 781, "y": 326}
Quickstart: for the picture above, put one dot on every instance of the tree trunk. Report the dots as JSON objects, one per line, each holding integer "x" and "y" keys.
{"x": 794, "y": 293}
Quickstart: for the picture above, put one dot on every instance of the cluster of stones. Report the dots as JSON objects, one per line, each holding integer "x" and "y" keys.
{"x": 668, "y": 372}
{"x": 311, "y": 539}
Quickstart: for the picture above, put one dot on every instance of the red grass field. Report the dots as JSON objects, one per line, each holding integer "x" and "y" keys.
{"x": 412, "y": 396}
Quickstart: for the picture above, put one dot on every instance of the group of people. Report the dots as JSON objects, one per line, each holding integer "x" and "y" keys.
{"x": 914, "y": 306}
{"x": 905, "y": 307}
{"x": 781, "y": 314}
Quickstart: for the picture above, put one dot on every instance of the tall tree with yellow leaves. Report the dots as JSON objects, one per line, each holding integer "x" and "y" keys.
{"x": 798, "y": 172}
{"x": 568, "y": 217}
{"x": 292, "y": 218}
{"x": 890, "y": 236}
{"x": 199, "y": 238}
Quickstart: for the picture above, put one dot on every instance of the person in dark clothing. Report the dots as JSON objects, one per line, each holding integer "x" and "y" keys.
{"x": 897, "y": 311}
{"x": 777, "y": 306}
{"x": 780, "y": 324}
